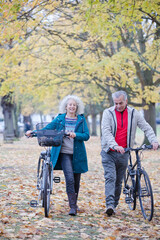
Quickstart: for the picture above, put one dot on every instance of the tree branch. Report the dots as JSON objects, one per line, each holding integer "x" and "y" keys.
{"x": 144, "y": 60}
{"x": 151, "y": 17}
{"x": 157, "y": 82}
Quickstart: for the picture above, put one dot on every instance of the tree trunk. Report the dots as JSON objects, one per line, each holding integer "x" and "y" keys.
{"x": 8, "y": 111}
{"x": 150, "y": 117}
{"x": 15, "y": 121}
{"x": 101, "y": 114}
{"x": 146, "y": 79}
{"x": 41, "y": 117}
{"x": 88, "y": 124}
{"x": 94, "y": 125}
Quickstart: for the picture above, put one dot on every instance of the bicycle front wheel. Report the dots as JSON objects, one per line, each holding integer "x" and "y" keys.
{"x": 47, "y": 187}
{"x": 146, "y": 196}
{"x": 40, "y": 179}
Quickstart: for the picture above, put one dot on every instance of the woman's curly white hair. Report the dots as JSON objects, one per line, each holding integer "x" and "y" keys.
{"x": 63, "y": 104}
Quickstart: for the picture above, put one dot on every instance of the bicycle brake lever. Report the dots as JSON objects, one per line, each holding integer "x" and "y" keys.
{"x": 66, "y": 135}
{"x": 27, "y": 136}
{"x": 31, "y": 135}
{"x": 126, "y": 149}
{"x": 143, "y": 146}
{"x": 147, "y": 146}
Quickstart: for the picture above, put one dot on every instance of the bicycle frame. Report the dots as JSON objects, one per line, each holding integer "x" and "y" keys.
{"x": 131, "y": 168}
{"x": 139, "y": 185}
{"x": 46, "y": 138}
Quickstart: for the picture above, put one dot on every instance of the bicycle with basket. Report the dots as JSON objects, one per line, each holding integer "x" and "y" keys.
{"x": 46, "y": 138}
{"x": 137, "y": 185}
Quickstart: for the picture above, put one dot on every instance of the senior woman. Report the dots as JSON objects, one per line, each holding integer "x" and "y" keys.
{"x": 71, "y": 156}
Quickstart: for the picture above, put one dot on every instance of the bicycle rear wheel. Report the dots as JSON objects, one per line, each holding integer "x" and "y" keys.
{"x": 129, "y": 190}
{"x": 146, "y": 196}
{"x": 46, "y": 193}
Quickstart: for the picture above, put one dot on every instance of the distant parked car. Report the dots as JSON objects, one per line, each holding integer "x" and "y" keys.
{"x": 157, "y": 120}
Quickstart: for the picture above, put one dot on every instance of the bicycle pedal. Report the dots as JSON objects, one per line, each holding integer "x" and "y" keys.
{"x": 57, "y": 179}
{"x": 38, "y": 187}
{"x": 128, "y": 200}
{"x": 33, "y": 203}
{"x": 125, "y": 191}
{"x": 132, "y": 172}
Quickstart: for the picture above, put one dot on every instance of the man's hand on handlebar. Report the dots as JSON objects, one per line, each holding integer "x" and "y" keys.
{"x": 155, "y": 145}
{"x": 119, "y": 149}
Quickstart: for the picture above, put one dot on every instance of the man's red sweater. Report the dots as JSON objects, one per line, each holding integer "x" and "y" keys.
{"x": 122, "y": 125}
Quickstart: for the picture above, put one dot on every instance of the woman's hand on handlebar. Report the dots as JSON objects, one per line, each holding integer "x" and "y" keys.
{"x": 29, "y": 133}
{"x": 71, "y": 134}
{"x": 155, "y": 145}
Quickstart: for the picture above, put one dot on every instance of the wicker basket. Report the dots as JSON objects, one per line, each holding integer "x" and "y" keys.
{"x": 49, "y": 137}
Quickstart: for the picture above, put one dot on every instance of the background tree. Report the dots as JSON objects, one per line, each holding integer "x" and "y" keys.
{"x": 126, "y": 37}
{"x": 62, "y": 47}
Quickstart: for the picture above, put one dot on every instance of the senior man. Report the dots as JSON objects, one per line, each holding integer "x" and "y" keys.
{"x": 119, "y": 125}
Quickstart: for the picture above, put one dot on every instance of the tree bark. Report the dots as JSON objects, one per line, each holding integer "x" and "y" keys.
{"x": 101, "y": 114}
{"x": 88, "y": 124}
{"x": 94, "y": 125}
{"x": 8, "y": 111}
{"x": 150, "y": 117}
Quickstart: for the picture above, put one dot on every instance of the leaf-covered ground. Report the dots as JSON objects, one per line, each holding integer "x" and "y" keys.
{"x": 18, "y": 163}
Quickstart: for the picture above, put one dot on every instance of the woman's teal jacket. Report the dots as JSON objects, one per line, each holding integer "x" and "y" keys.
{"x": 80, "y": 164}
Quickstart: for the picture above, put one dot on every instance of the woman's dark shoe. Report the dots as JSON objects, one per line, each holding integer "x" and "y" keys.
{"x": 72, "y": 204}
{"x": 73, "y": 212}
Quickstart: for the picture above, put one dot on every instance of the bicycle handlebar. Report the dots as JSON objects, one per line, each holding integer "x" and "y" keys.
{"x": 34, "y": 134}
{"x": 66, "y": 135}
{"x": 143, "y": 147}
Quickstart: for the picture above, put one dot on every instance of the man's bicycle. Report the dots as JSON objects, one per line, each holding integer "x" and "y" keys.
{"x": 46, "y": 138}
{"x": 137, "y": 185}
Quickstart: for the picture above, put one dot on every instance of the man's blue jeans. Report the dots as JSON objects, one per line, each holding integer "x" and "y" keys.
{"x": 114, "y": 165}
{"x": 72, "y": 179}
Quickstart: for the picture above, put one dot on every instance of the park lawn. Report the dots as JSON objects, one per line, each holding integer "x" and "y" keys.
{"x": 18, "y": 163}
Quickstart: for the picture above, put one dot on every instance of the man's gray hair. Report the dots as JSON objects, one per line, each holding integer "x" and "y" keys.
{"x": 118, "y": 94}
{"x": 63, "y": 104}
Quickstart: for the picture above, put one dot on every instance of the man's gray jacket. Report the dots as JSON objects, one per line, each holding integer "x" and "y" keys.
{"x": 109, "y": 127}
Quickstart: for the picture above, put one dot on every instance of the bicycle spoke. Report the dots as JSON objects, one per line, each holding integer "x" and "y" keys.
{"x": 47, "y": 185}
{"x": 141, "y": 186}
{"x": 146, "y": 196}
{"x": 40, "y": 180}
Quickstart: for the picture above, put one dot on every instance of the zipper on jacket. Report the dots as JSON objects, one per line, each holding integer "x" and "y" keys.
{"x": 131, "y": 128}
{"x": 114, "y": 123}
{"x": 121, "y": 119}
{"x": 78, "y": 124}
